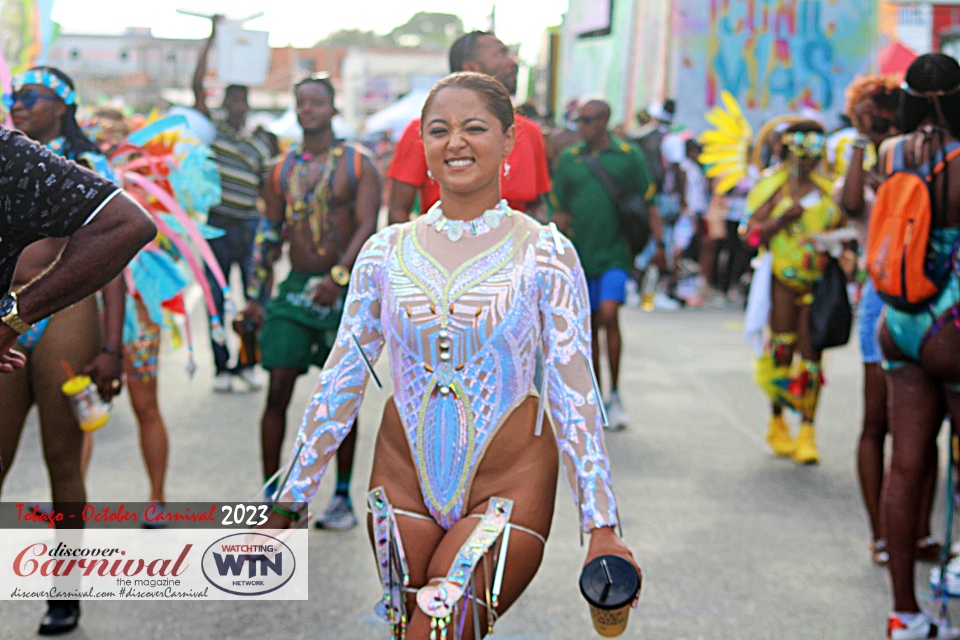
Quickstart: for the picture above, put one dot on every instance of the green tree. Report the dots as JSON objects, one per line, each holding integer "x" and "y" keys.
{"x": 354, "y": 38}
{"x": 428, "y": 30}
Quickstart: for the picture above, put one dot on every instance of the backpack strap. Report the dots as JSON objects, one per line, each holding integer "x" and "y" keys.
{"x": 895, "y": 160}
{"x": 281, "y": 172}
{"x": 354, "y": 160}
{"x": 943, "y": 156}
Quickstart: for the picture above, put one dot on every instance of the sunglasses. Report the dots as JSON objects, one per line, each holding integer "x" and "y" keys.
{"x": 27, "y": 97}
{"x": 805, "y": 145}
{"x": 587, "y": 119}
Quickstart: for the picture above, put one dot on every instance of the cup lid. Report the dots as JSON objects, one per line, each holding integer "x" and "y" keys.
{"x": 75, "y": 385}
{"x": 609, "y": 582}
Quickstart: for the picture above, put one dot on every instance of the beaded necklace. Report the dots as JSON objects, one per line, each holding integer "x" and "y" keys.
{"x": 311, "y": 204}
{"x": 486, "y": 221}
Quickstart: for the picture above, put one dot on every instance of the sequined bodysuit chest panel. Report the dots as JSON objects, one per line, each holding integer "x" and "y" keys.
{"x": 463, "y": 343}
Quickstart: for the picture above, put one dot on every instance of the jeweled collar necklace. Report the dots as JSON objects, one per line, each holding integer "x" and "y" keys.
{"x": 486, "y": 221}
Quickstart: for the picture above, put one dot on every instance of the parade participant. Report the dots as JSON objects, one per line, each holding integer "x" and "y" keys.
{"x": 786, "y": 208}
{"x": 68, "y": 342}
{"x": 872, "y": 104}
{"x": 241, "y": 158}
{"x": 921, "y": 348}
{"x": 587, "y": 211}
{"x": 525, "y": 179}
{"x": 462, "y": 298}
{"x": 160, "y": 170}
{"x": 327, "y": 195}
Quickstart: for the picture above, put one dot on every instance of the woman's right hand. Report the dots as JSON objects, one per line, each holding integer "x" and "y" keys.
{"x": 791, "y": 215}
{"x": 605, "y": 541}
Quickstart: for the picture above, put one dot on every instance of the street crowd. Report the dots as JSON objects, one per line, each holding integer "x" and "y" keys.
{"x": 495, "y": 287}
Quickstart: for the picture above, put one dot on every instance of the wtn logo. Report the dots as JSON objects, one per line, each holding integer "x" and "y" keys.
{"x": 233, "y": 564}
{"x": 249, "y": 564}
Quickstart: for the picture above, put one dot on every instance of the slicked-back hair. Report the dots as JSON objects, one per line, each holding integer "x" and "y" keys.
{"x": 490, "y": 90}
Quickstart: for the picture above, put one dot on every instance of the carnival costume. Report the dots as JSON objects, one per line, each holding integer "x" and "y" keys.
{"x": 798, "y": 264}
{"x": 463, "y": 308}
{"x": 173, "y": 178}
{"x": 791, "y": 255}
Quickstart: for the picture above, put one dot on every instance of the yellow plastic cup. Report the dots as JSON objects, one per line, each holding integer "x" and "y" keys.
{"x": 87, "y": 405}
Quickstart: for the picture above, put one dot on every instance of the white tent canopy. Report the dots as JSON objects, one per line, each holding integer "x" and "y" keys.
{"x": 395, "y": 117}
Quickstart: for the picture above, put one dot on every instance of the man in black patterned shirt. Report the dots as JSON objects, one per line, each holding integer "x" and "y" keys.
{"x": 43, "y": 196}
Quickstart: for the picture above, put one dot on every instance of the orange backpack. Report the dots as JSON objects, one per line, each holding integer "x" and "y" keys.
{"x": 898, "y": 236}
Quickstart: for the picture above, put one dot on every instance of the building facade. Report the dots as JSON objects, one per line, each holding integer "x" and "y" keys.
{"x": 773, "y": 56}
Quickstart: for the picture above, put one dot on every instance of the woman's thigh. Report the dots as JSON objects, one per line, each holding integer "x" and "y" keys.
{"x": 784, "y": 312}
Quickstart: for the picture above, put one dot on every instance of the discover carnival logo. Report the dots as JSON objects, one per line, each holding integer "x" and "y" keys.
{"x": 248, "y": 564}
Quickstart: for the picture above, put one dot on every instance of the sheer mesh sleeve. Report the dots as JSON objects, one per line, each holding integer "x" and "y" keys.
{"x": 333, "y": 408}
{"x": 573, "y": 401}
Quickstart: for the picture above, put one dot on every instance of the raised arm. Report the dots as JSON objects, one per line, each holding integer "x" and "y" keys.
{"x": 199, "y": 93}
{"x": 332, "y": 409}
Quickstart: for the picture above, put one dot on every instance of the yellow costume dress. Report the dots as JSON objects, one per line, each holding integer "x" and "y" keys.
{"x": 799, "y": 266}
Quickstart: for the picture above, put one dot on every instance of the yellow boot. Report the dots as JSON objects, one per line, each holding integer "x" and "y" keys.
{"x": 806, "y": 449}
{"x": 778, "y": 437}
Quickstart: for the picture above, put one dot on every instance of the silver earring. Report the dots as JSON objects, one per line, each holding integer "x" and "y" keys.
{"x": 506, "y": 169}
{"x": 429, "y": 174}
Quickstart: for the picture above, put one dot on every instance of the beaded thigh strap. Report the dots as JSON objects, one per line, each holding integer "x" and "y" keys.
{"x": 391, "y": 562}
{"x": 438, "y": 600}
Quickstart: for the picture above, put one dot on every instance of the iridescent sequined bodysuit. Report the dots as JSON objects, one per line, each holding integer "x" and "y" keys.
{"x": 462, "y": 322}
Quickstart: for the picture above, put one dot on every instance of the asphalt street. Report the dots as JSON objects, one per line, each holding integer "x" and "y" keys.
{"x": 734, "y": 543}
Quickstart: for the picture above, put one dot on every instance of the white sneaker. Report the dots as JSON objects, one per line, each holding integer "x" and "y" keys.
{"x": 923, "y": 626}
{"x": 616, "y": 415}
{"x": 251, "y": 378}
{"x": 222, "y": 383}
{"x": 951, "y": 580}
{"x": 338, "y": 515}
{"x": 663, "y": 302}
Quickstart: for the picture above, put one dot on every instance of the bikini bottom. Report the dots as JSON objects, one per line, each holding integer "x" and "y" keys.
{"x": 30, "y": 339}
{"x": 910, "y": 331}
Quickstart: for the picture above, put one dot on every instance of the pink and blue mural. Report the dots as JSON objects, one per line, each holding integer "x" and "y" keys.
{"x": 774, "y": 56}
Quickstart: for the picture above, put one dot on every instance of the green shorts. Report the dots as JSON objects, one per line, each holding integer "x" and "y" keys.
{"x": 296, "y": 332}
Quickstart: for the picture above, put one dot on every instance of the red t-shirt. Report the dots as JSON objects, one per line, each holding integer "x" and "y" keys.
{"x": 526, "y": 179}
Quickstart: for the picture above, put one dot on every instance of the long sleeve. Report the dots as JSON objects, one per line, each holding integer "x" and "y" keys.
{"x": 336, "y": 399}
{"x": 572, "y": 397}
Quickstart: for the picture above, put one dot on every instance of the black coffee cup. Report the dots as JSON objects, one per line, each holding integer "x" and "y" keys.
{"x": 610, "y": 584}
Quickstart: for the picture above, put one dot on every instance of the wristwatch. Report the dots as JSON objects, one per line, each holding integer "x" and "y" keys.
{"x": 340, "y": 274}
{"x": 10, "y": 315}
